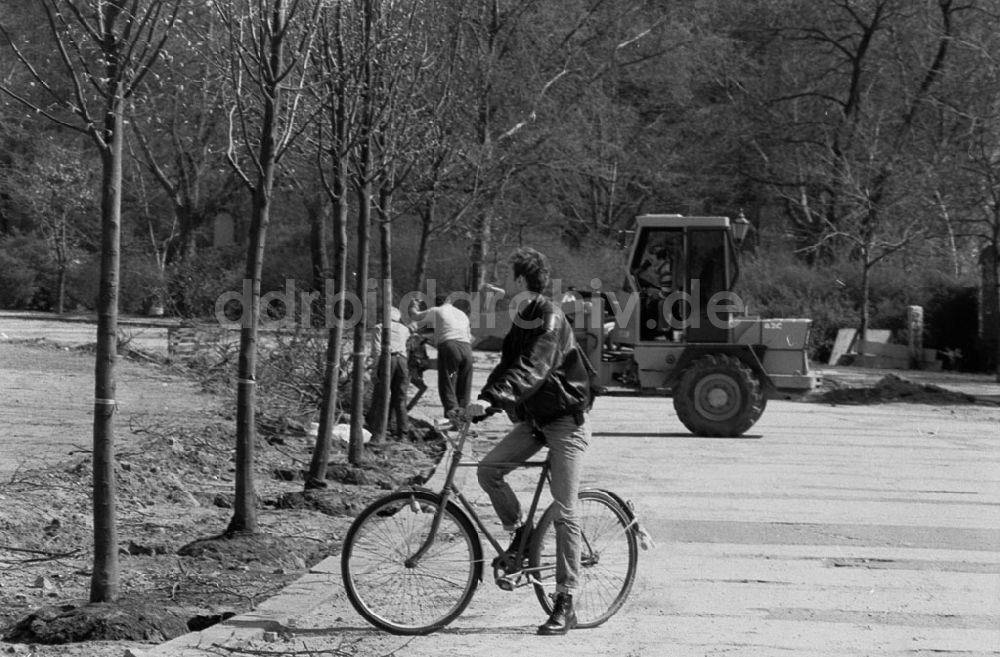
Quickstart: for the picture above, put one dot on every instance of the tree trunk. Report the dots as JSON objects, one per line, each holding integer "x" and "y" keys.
{"x": 996, "y": 294}
{"x": 950, "y": 230}
{"x": 105, "y": 575}
{"x": 356, "y": 450}
{"x": 62, "y": 264}
{"x": 363, "y": 185}
{"x": 182, "y": 247}
{"x": 484, "y": 127}
{"x": 334, "y": 304}
{"x": 319, "y": 250}
{"x": 335, "y": 324}
{"x": 385, "y": 364}
{"x": 865, "y": 297}
{"x": 244, "y": 518}
{"x": 334, "y": 345}
{"x": 480, "y": 249}
{"x": 61, "y": 290}
{"x": 426, "y": 223}
{"x": 997, "y": 334}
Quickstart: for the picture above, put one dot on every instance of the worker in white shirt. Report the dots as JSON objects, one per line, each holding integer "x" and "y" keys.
{"x": 453, "y": 340}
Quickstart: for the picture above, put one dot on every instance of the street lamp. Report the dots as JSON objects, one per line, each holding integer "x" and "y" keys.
{"x": 740, "y": 228}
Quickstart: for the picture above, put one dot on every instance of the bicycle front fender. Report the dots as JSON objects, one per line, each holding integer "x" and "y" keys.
{"x": 426, "y": 494}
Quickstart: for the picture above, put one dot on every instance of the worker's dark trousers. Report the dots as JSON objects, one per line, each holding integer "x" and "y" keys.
{"x": 398, "y": 381}
{"x": 454, "y": 363}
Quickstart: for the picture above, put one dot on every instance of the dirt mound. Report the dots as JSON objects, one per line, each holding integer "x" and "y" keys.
{"x": 337, "y": 502}
{"x": 70, "y": 623}
{"x": 261, "y": 551}
{"x": 892, "y": 388}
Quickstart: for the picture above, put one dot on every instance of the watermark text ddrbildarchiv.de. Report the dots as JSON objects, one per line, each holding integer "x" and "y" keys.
{"x": 291, "y": 308}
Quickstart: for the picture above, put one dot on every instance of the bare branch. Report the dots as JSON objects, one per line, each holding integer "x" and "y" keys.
{"x": 44, "y": 555}
{"x": 93, "y": 31}
{"x": 151, "y": 163}
{"x": 35, "y": 107}
{"x": 149, "y": 56}
{"x": 231, "y": 152}
{"x": 533, "y": 114}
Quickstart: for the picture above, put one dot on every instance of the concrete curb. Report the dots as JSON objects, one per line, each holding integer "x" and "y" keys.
{"x": 296, "y": 600}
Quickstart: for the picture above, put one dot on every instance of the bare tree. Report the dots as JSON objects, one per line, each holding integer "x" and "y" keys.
{"x": 106, "y": 49}
{"x": 366, "y": 73}
{"x": 179, "y": 134}
{"x": 523, "y": 60}
{"x": 363, "y": 181}
{"x": 443, "y": 187}
{"x": 333, "y": 149}
{"x": 844, "y": 113}
{"x": 408, "y": 42}
{"x": 972, "y": 111}
{"x": 269, "y": 52}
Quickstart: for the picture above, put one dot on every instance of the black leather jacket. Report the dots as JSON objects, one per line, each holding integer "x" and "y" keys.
{"x": 542, "y": 374}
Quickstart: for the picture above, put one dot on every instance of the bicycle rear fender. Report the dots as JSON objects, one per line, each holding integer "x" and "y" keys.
{"x": 626, "y": 507}
{"x": 645, "y": 541}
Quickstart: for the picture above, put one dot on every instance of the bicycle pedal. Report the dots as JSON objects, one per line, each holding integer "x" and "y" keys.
{"x": 505, "y": 583}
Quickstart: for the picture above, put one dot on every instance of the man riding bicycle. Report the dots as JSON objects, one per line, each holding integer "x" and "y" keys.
{"x": 543, "y": 383}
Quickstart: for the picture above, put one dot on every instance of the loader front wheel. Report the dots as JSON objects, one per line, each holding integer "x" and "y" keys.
{"x": 719, "y": 396}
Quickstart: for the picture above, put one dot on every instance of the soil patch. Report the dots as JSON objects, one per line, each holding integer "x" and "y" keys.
{"x": 175, "y": 490}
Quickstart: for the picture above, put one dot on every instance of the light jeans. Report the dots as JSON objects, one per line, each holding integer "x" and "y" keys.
{"x": 567, "y": 443}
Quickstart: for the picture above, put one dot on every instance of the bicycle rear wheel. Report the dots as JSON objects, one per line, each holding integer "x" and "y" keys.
{"x": 421, "y": 597}
{"x": 608, "y": 557}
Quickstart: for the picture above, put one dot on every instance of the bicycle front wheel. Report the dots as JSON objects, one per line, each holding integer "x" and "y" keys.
{"x": 410, "y": 598}
{"x": 608, "y": 556}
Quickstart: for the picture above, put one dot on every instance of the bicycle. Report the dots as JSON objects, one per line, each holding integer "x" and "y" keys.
{"x": 412, "y": 560}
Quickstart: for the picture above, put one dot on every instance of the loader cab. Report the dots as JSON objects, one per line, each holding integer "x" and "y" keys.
{"x": 681, "y": 271}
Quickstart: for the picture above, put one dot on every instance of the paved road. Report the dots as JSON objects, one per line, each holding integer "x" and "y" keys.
{"x": 852, "y": 530}
{"x": 828, "y": 531}
{"x": 148, "y": 334}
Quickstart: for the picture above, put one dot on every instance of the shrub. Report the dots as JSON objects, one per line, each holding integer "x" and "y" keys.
{"x": 18, "y": 280}
{"x": 778, "y": 285}
{"x": 951, "y": 322}
{"x": 140, "y": 284}
{"x": 194, "y": 286}
{"x": 83, "y": 283}
{"x": 28, "y": 274}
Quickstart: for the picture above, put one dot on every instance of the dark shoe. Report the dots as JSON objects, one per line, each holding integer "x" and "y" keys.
{"x": 515, "y": 541}
{"x": 507, "y": 561}
{"x": 563, "y": 618}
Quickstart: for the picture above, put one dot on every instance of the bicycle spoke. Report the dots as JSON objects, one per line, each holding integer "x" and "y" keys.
{"x": 427, "y": 594}
{"x": 607, "y": 560}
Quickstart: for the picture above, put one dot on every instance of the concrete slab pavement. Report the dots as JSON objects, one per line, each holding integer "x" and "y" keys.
{"x": 275, "y": 615}
{"x": 829, "y": 531}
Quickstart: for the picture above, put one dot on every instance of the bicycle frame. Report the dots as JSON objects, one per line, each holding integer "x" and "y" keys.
{"x": 450, "y": 491}
{"x": 443, "y": 563}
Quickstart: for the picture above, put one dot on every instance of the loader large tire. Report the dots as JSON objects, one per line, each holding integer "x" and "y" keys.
{"x": 719, "y": 396}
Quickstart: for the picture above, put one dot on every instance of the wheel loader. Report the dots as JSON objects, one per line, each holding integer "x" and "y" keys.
{"x": 679, "y": 328}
